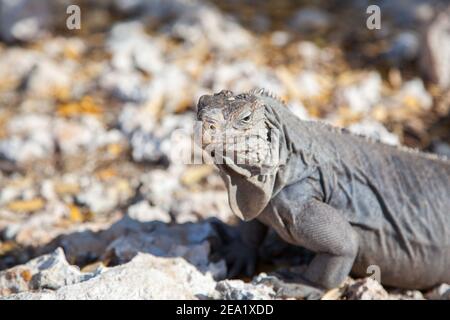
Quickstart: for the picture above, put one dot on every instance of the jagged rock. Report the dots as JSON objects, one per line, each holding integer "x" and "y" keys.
{"x": 189, "y": 241}
{"x": 144, "y": 277}
{"x": 366, "y": 289}
{"x": 51, "y": 271}
{"x": 239, "y": 290}
{"x": 121, "y": 241}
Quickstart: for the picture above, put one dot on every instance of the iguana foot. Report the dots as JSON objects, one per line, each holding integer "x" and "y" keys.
{"x": 240, "y": 258}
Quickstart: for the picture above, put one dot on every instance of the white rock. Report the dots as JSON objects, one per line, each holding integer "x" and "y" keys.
{"x": 312, "y": 56}
{"x": 412, "y": 90}
{"x": 102, "y": 198}
{"x": 132, "y": 48}
{"x": 23, "y": 20}
{"x": 375, "y": 130}
{"x": 29, "y": 138}
{"x": 361, "y": 95}
{"x": 48, "y": 76}
{"x": 33, "y": 136}
{"x": 166, "y": 242}
{"x": 39, "y": 228}
{"x": 298, "y": 109}
{"x": 308, "y": 84}
{"x": 122, "y": 240}
{"x": 15, "y": 63}
{"x": 192, "y": 206}
{"x": 151, "y": 141}
{"x": 442, "y": 292}
{"x": 128, "y": 86}
{"x": 145, "y": 277}
{"x": 85, "y": 135}
{"x": 239, "y": 290}
{"x": 142, "y": 211}
{"x": 50, "y": 271}
{"x": 279, "y": 38}
{"x": 202, "y": 21}
{"x": 195, "y": 22}
{"x": 159, "y": 186}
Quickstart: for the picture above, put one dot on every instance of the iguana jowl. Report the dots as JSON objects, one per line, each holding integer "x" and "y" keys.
{"x": 354, "y": 201}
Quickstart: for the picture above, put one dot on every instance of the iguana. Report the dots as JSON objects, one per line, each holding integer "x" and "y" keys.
{"x": 354, "y": 201}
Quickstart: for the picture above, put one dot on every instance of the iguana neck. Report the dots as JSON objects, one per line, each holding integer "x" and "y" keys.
{"x": 297, "y": 141}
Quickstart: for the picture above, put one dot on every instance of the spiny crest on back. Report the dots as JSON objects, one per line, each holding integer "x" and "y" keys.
{"x": 377, "y": 141}
{"x": 261, "y": 92}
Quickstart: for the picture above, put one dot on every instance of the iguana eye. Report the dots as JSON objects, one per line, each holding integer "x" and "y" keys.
{"x": 246, "y": 118}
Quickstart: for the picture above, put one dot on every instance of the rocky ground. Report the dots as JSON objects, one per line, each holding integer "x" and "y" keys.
{"x": 93, "y": 204}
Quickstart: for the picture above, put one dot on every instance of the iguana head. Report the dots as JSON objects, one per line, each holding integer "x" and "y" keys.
{"x": 238, "y": 133}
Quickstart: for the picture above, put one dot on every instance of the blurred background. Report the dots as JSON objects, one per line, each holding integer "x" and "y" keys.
{"x": 86, "y": 115}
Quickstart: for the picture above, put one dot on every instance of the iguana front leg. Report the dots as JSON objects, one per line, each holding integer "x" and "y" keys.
{"x": 322, "y": 229}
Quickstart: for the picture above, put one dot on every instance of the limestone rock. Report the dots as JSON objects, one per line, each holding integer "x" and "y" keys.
{"x": 239, "y": 290}
{"x": 366, "y": 289}
{"x": 144, "y": 277}
{"x": 51, "y": 271}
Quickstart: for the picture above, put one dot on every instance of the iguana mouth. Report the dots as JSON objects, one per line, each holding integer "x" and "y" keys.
{"x": 248, "y": 152}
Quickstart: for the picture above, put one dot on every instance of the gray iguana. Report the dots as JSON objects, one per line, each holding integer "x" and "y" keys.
{"x": 353, "y": 201}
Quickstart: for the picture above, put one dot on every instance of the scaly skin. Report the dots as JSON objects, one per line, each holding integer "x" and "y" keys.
{"x": 354, "y": 201}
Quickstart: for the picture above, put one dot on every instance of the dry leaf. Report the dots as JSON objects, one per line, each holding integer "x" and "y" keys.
{"x": 195, "y": 173}
{"x": 26, "y": 205}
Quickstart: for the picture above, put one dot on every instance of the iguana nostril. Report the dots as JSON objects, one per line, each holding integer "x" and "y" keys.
{"x": 212, "y": 127}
